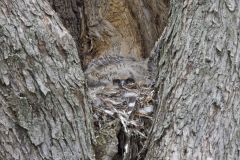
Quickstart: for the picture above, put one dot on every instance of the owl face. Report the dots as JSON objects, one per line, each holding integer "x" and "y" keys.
{"x": 122, "y": 82}
{"x": 119, "y": 72}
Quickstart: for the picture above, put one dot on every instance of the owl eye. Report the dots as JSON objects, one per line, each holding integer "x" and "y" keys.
{"x": 116, "y": 81}
{"x": 130, "y": 80}
{"x": 97, "y": 75}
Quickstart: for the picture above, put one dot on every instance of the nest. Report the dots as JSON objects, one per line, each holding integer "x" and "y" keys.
{"x": 123, "y": 112}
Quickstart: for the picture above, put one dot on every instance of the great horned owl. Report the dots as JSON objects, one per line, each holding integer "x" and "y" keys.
{"x": 113, "y": 69}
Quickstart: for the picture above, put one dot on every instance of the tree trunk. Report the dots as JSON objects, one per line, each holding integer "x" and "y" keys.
{"x": 43, "y": 103}
{"x": 44, "y": 113}
{"x": 198, "y": 114}
{"x": 72, "y": 14}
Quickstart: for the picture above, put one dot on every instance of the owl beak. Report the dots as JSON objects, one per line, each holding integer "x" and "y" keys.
{"x": 122, "y": 83}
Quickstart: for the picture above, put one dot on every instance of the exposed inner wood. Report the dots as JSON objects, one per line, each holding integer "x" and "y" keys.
{"x": 124, "y": 27}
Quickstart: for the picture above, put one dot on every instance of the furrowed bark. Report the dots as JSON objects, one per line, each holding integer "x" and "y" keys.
{"x": 43, "y": 109}
{"x": 198, "y": 114}
{"x": 73, "y": 18}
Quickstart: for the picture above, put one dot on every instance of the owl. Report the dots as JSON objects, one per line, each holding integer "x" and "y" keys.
{"x": 115, "y": 70}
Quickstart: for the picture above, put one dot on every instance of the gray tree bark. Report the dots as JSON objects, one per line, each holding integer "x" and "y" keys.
{"x": 44, "y": 112}
{"x": 72, "y": 15}
{"x": 198, "y": 112}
